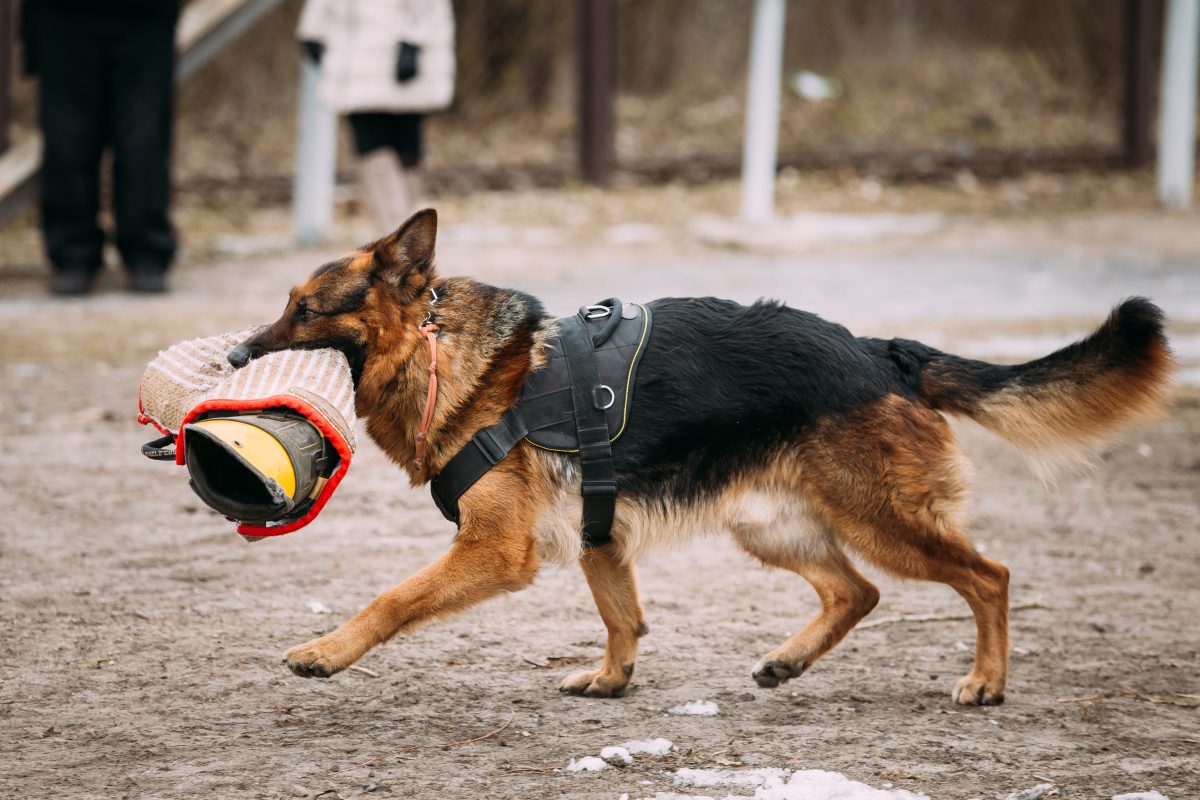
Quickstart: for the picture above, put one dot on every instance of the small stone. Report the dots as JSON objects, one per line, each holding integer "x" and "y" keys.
{"x": 1100, "y": 626}
{"x": 333, "y": 768}
{"x": 299, "y": 791}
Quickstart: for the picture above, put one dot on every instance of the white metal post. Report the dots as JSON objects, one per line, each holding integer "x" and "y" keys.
{"x": 316, "y": 160}
{"x": 762, "y": 111}
{"x": 1177, "y": 104}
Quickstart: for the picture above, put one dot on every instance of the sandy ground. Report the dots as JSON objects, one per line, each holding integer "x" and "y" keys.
{"x": 142, "y": 638}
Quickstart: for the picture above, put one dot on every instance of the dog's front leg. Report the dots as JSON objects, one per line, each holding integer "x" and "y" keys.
{"x": 493, "y": 553}
{"x": 615, "y": 591}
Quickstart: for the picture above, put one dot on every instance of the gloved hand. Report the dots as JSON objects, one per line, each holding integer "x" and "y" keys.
{"x": 406, "y": 62}
{"x": 314, "y": 49}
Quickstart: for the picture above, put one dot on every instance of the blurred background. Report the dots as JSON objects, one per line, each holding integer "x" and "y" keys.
{"x": 1003, "y": 104}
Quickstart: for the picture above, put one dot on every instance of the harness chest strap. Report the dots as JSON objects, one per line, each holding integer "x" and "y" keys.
{"x": 599, "y": 480}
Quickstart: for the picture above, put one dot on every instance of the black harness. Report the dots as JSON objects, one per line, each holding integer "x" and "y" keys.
{"x": 578, "y": 402}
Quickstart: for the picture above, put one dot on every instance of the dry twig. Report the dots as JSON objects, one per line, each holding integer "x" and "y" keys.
{"x": 1133, "y": 694}
{"x": 1034, "y": 603}
{"x": 451, "y": 744}
{"x": 363, "y": 670}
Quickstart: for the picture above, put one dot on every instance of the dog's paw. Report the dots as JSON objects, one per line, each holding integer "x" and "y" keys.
{"x": 769, "y": 674}
{"x": 319, "y": 658}
{"x": 595, "y": 684}
{"x": 974, "y": 690}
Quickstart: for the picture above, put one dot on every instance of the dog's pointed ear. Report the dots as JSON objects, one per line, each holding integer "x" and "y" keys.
{"x": 404, "y": 260}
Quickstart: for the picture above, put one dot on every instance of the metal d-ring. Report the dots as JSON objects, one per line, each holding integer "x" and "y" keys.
{"x": 612, "y": 397}
{"x": 603, "y": 312}
{"x": 429, "y": 314}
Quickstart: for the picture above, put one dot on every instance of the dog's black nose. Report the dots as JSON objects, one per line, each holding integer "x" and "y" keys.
{"x": 239, "y": 356}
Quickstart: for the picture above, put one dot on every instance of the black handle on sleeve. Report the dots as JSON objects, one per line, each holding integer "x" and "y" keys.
{"x": 157, "y": 450}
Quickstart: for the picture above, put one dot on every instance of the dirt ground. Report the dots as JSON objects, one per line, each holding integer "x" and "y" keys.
{"x": 142, "y": 637}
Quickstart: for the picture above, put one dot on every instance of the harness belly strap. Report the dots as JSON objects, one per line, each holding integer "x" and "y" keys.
{"x": 585, "y": 403}
{"x": 599, "y": 487}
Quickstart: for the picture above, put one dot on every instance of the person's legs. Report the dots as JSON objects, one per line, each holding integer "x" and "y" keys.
{"x": 386, "y": 143}
{"x": 74, "y": 102}
{"x": 408, "y": 146}
{"x": 143, "y": 72}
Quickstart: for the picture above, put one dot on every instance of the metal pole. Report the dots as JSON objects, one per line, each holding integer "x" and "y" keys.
{"x": 1177, "y": 105}
{"x": 316, "y": 160}
{"x": 6, "y": 59}
{"x": 1140, "y": 29}
{"x": 597, "y": 80}
{"x": 762, "y": 112}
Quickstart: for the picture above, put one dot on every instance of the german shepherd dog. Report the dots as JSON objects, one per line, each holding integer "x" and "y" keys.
{"x": 803, "y": 442}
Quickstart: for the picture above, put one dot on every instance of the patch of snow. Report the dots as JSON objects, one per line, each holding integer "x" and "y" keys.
{"x": 815, "y": 88}
{"x": 696, "y": 708}
{"x": 809, "y": 228}
{"x": 766, "y": 776}
{"x": 244, "y": 246}
{"x": 634, "y": 233}
{"x": 319, "y": 608}
{"x": 809, "y": 784}
{"x": 655, "y": 747}
{"x": 613, "y": 752}
{"x": 473, "y": 234}
{"x": 589, "y": 763}
{"x": 1141, "y": 796}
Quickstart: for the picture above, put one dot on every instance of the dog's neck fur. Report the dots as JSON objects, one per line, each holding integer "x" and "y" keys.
{"x": 490, "y": 340}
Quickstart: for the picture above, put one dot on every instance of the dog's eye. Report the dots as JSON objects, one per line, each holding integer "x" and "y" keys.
{"x": 308, "y": 313}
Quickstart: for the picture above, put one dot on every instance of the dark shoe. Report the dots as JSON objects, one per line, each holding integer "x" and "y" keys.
{"x": 72, "y": 281}
{"x": 148, "y": 280}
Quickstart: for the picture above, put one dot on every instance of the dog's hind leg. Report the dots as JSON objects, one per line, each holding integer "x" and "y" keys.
{"x": 846, "y": 597}
{"x": 897, "y": 496}
{"x": 615, "y": 591}
{"x": 983, "y": 583}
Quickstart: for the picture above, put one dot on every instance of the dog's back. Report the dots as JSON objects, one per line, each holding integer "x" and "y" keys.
{"x": 724, "y": 387}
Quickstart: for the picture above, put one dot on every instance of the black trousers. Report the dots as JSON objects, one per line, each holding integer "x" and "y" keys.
{"x": 106, "y": 78}
{"x": 401, "y": 132}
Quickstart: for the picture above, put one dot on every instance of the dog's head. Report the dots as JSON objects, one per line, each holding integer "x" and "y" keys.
{"x": 350, "y": 303}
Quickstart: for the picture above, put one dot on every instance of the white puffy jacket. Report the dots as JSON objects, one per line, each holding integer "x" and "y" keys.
{"x": 362, "y": 40}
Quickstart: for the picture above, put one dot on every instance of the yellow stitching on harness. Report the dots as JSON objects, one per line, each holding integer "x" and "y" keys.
{"x": 628, "y": 388}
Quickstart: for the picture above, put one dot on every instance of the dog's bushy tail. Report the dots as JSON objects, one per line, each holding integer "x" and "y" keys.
{"x": 1062, "y": 406}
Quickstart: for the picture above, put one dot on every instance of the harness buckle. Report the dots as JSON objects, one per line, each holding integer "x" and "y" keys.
{"x": 612, "y": 397}
{"x": 599, "y": 489}
{"x": 597, "y": 312}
